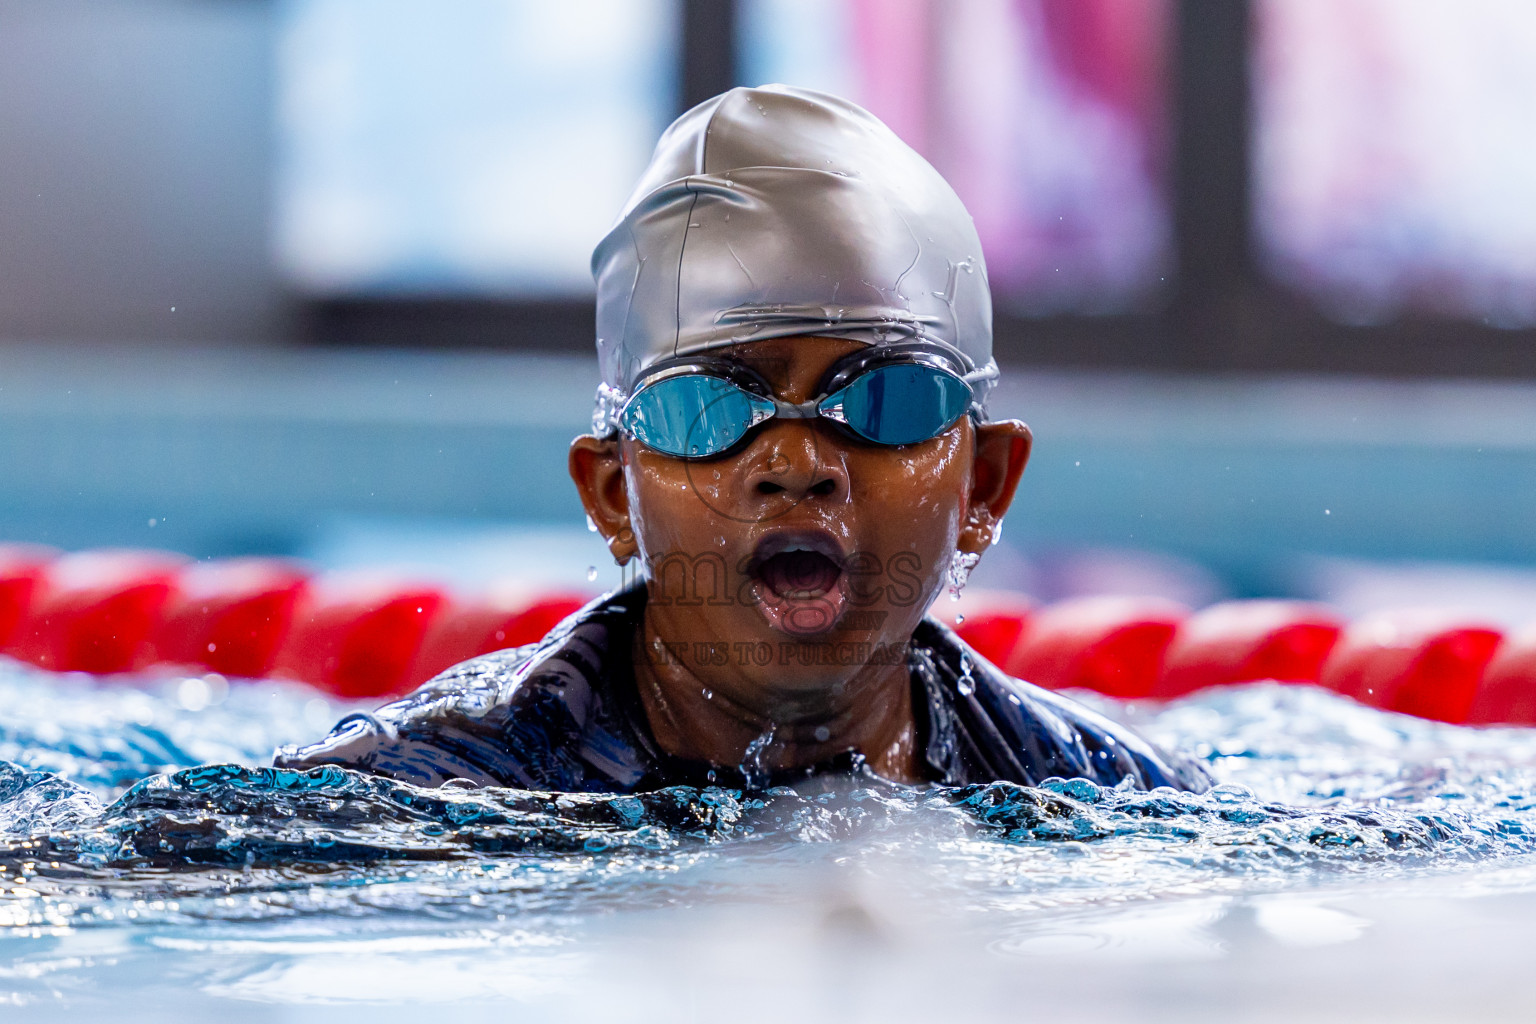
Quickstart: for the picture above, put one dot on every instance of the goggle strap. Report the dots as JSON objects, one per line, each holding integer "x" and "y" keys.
{"x": 981, "y": 373}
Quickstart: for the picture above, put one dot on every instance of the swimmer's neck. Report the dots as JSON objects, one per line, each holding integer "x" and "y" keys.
{"x": 715, "y": 713}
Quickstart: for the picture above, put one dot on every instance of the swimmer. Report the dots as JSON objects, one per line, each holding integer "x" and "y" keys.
{"x": 791, "y": 451}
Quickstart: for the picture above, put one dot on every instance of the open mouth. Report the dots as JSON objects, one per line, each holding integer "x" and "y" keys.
{"x": 798, "y": 577}
{"x": 799, "y": 573}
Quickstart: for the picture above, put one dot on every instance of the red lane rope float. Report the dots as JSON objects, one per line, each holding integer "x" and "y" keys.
{"x": 231, "y": 616}
{"x": 1425, "y": 663}
{"x": 469, "y": 630}
{"x": 1508, "y": 691}
{"x": 358, "y": 639}
{"x": 123, "y": 611}
{"x": 97, "y": 611}
{"x": 1241, "y": 641}
{"x": 1113, "y": 645}
{"x": 23, "y": 570}
{"x": 997, "y": 636}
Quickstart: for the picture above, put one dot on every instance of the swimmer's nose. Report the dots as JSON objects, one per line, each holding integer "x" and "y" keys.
{"x": 788, "y": 461}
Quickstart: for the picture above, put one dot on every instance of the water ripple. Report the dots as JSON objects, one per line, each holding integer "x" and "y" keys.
{"x": 99, "y": 825}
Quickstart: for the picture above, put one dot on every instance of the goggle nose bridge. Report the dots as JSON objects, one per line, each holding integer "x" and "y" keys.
{"x": 766, "y": 408}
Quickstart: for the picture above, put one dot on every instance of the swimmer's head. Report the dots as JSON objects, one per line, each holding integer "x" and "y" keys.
{"x": 791, "y": 440}
{"x": 778, "y": 212}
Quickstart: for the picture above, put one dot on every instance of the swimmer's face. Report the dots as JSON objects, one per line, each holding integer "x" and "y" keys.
{"x": 803, "y": 550}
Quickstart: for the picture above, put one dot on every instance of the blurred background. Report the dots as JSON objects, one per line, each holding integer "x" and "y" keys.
{"x": 309, "y": 277}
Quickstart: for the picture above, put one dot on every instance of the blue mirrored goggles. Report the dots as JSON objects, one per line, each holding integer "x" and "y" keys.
{"x": 694, "y": 412}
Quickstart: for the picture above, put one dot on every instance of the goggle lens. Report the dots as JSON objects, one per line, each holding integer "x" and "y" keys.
{"x": 691, "y": 416}
{"x": 902, "y": 403}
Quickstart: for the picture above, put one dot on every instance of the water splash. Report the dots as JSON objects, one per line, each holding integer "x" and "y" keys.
{"x": 1313, "y": 787}
{"x": 959, "y": 572}
{"x": 753, "y": 767}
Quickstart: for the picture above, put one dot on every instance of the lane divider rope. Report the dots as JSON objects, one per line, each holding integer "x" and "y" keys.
{"x": 130, "y": 611}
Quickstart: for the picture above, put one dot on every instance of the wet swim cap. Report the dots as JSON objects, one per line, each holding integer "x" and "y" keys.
{"x": 780, "y": 211}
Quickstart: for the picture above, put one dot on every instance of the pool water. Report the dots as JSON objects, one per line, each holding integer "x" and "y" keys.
{"x": 1350, "y": 863}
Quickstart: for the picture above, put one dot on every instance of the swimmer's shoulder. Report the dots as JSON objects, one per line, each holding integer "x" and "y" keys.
{"x": 1114, "y": 744}
{"x": 535, "y": 717}
{"x": 409, "y": 738}
{"x": 1047, "y": 733}
{"x": 470, "y": 686}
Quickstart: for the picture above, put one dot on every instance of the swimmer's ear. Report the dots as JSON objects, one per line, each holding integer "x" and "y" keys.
{"x": 598, "y": 471}
{"x": 1002, "y": 451}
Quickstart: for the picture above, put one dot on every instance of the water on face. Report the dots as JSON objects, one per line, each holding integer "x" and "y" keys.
{"x": 1350, "y": 861}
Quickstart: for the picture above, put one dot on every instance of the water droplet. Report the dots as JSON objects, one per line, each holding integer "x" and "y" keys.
{"x": 591, "y": 525}
{"x": 708, "y": 693}
{"x": 823, "y": 734}
{"x": 959, "y": 618}
{"x": 755, "y": 773}
{"x": 591, "y": 572}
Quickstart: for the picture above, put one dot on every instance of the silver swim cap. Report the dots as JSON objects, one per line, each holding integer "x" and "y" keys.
{"x": 780, "y": 211}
